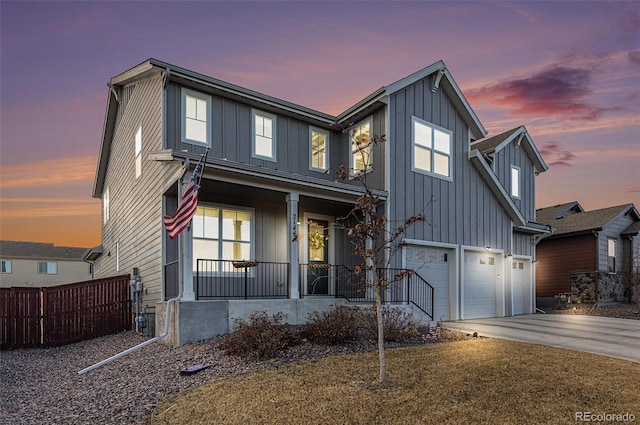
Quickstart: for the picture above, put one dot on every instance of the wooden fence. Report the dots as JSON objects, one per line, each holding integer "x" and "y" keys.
{"x": 58, "y": 315}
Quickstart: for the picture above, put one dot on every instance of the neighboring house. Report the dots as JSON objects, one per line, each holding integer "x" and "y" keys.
{"x": 588, "y": 254}
{"x": 41, "y": 264}
{"x": 269, "y": 197}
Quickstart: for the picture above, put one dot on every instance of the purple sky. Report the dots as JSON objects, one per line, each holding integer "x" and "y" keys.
{"x": 568, "y": 71}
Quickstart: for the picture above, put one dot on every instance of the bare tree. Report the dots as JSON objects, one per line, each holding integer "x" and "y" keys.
{"x": 374, "y": 238}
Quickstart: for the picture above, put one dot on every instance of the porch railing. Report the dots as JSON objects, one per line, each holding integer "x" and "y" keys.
{"x": 403, "y": 286}
{"x": 241, "y": 279}
{"x": 215, "y": 279}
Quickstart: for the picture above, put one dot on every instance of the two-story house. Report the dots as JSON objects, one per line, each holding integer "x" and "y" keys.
{"x": 41, "y": 264}
{"x": 266, "y": 234}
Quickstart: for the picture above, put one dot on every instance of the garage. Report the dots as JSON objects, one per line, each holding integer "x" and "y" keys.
{"x": 433, "y": 265}
{"x": 520, "y": 286}
{"x": 479, "y": 284}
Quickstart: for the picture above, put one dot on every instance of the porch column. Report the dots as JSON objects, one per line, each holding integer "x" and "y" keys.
{"x": 189, "y": 293}
{"x": 294, "y": 266}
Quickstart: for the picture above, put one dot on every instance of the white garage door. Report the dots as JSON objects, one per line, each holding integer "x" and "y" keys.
{"x": 520, "y": 286}
{"x": 479, "y": 285}
{"x": 432, "y": 264}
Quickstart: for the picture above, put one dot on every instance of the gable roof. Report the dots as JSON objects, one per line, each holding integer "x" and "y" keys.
{"x": 41, "y": 251}
{"x": 518, "y": 135}
{"x": 582, "y": 221}
{"x": 441, "y": 76}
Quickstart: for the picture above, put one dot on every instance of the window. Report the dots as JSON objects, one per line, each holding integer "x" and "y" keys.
{"x": 431, "y": 149}
{"x": 196, "y": 123}
{"x": 264, "y": 135}
{"x": 319, "y": 149}
{"x": 611, "y": 255}
{"x": 515, "y": 182}
{"x": 105, "y": 206}
{"x": 47, "y": 267}
{"x": 5, "y": 266}
{"x": 138, "y": 152}
{"x": 361, "y": 148}
{"x": 117, "y": 256}
{"x": 221, "y": 233}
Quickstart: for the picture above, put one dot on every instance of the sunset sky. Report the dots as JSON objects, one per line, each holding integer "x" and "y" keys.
{"x": 568, "y": 71}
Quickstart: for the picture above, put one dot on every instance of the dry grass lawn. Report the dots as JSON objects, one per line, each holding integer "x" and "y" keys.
{"x": 474, "y": 381}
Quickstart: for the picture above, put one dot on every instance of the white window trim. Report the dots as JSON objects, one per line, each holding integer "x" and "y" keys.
{"x": 183, "y": 116}
{"x": 6, "y": 262}
{"x": 138, "y": 152}
{"x": 326, "y": 149}
{"x": 433, "y": 126}
{"x": 515, "y": 195}
{"x": 105, "y": 206}
{"x": 252, "y": 242}
{"x": 48, "y": 262}
{"x": 369, "y": 168}
{"x": 615, "y": 256}
{"x": 254, "y": 114}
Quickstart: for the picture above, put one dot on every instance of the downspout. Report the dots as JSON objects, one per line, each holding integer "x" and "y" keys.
{"x": 167, "y": 320}
{"x": 144, "y": 344}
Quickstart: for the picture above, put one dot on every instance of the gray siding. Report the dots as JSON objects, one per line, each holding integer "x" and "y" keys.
{"x": 462, "y": 211}
{"x": 612, "y": 231}
{"x": 136, "y": 208}
{"x": 504, "y": 159}
{"x": 232, "y": 138}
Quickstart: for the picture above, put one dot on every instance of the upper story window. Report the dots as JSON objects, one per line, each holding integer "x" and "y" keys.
{"x": 432, "y": 149}
{"x": 138, "y": 152}
{"x": 5, "y": 266}
{"x": 264, "y": 135}
{"x": 105, "y": 206}
{"x": 515, "y": 182}
{"x": 611, "y": 255}
{"x": 361, "y": 147}
{"x": 196, "y": 117}
{"x": 319, "y": 149}
{"x": 47, "y": 267}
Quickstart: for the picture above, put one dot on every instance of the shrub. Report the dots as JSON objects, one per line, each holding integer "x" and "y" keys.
{"x": 259, "y": 338}
{"x": 332, "y": 327}
{"x": 397, "y": 324}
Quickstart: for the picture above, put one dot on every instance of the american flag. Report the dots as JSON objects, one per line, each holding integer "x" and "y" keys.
{"x": 188, "y": 204}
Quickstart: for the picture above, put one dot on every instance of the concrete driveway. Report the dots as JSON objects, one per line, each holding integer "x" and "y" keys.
{"x": 606, "y": 336}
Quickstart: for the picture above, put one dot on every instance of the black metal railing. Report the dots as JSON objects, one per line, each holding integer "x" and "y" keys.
{"x": 241, "y": 279}
{"x": 224, "y": 279}
{"x": 400, "y": 286}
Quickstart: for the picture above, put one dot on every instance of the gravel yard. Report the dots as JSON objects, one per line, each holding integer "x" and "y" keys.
{"x": 42, "y": 386}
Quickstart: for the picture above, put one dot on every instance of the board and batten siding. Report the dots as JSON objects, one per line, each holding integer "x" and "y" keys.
{"x": 504, "y": 159}
{"x": 232, "y": 138}
{"x": 612, "y": 231}
{"x": 462, "y": 211}
{"x": 135, "y": 209}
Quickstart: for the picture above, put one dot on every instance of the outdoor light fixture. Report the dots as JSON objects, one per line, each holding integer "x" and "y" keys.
{"x": 508, "y": 255}
{"x": 488, "y": 248}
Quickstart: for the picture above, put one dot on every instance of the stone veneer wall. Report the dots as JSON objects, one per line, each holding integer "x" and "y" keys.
{"x": 592, "y": 286}
{"x": 584, "y": 286}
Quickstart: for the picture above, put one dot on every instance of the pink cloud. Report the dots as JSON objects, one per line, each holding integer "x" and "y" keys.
{"x": 555, "y": 155}
{"x": 62, "y": 171}
{"x": 555, "y": 91}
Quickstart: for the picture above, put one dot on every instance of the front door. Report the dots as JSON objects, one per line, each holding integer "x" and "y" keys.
{"x": 318, "y": 255}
